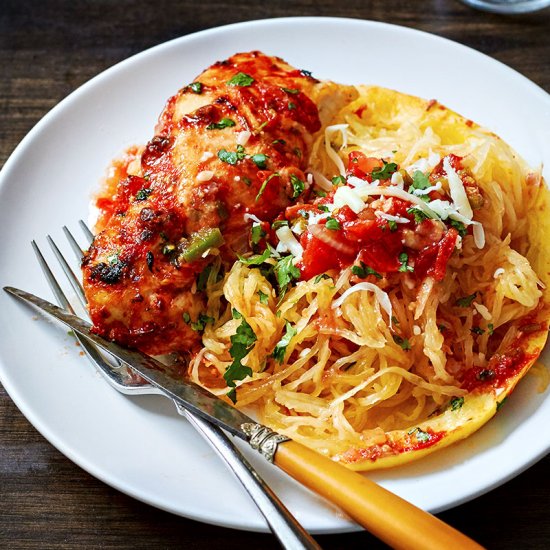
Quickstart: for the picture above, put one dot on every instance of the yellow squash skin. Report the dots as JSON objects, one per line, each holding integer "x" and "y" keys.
{"x": 482, "y": 403}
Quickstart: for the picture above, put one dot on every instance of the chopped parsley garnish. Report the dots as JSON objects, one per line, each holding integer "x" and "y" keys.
{"x": 278, "y": 223}
{"x": 419, "y": 216}
{"x": 490, "y": 329}
{"x": 403, "y": 343}
{"x": 196, "y": 87}
{"x": 256, "y": 233}
{"x": 200, "y": 324}
{"x": 281, "y": 141}
{"x": 232, "y": 157}
{"x": 320, "y": 193}
{"x": 321, "y": 277}
{"x": 280, "y": 349}
{"x": 264, "y": 184}
{"x": 421, "y": 435}
{"x": 113, "y": 259}
{"x": 420, "y": 181}
{"x": 385, "y": 172}
{"x": 241, "y": 79}
{"x": 223, "y": 123}
{"x": 338, "y": 180}
{"x": 394, "y": 320}
{"x": 291, "y": 105}
{"x": 286, "y": 272}
{"x": 364, "y": 271}
{"x": 460, "y": 227}
{"x": 257, "y": 259}
{"x": 260, "y": 160}
{"x": 477, "y": 330}
{"x": 404, "y": 261}
{"x": 142, "y": 194}
{"x": 298, "y": 186}
{"x": 333, "y": 224}
{"x": 456, "y": 403}
{"x": 186, "y": 317}
{"x": 392, "y": 224}
{"x": 292, "y": 91}
{"x": 263, "y": 297}
{"x": 466, "y": 301}
{"x": 247, "y": 181}
{"x": 242, "y": 343}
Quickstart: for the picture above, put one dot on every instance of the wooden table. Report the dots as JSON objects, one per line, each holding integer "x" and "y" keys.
{"x": 47, "y": 49}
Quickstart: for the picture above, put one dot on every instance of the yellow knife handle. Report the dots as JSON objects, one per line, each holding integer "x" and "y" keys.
{"x": 387, "y": 516}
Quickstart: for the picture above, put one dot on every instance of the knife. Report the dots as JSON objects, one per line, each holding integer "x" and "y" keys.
{"x": 387, "y": 516}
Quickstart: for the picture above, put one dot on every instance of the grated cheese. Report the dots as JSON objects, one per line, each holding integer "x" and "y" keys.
{"x": 321, "y": 181}
{"x": 428, "y": 190}
{"x": 207, "y": 155}
{"x": 332, "y": 154}
{"x": 390, "y": 217}
{"x": 397, "y": 179}
{"x": 346, "y": 196}
{"x": 288, "y": 242}
{"x": 248, "y": 217}
{"x": 381, "y": 296}
{"x": 205, "y": 175}
{"x": 243, "y": 137}
{"x": 458, "y": 193}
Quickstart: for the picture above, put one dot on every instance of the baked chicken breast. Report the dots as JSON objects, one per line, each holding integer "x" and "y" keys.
{"x": 230, "y": 146}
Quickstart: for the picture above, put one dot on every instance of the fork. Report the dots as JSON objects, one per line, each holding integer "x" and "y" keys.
{"x": 282, "y": 523}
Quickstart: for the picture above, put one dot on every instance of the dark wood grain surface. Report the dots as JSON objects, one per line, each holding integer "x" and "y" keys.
{"x": 47, "y": 49}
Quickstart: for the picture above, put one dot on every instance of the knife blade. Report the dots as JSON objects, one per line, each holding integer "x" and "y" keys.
{"x": 190, "y": 396}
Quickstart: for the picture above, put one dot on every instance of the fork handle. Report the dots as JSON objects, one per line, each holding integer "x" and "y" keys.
{"x": 282, "y": 523}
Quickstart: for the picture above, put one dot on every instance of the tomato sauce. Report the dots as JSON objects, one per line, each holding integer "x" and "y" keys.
{"x": 409, "y": 442}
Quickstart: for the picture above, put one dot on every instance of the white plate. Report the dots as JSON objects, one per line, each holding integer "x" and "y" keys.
{"x": 140, "y": 445}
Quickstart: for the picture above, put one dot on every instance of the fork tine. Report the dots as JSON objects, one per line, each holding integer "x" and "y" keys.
{"x": 54, "y": 285}
{"x": 89, "y": 349}
{"x": 87, "y": 232}
{"x": 79, "y": 253}
{"x": 73, "y": 280}
{"x": 75, "y": 283}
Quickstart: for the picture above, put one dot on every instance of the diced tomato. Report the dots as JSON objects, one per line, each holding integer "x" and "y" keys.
{"x": 433, "y": 259}
{"x": 346, "y": 214}
{"x": 438, "y": 171}
{"x": 293, "y": 211}
{"x": 319, "y": 257}
{"x": 398, "y": 207}
{"x": 379, "y": 247}
{"x": 361, "y": 166}
{"x": 446, "y": 247}
{"x": 380, "y": 257}
{"x": 360, "y": 231}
